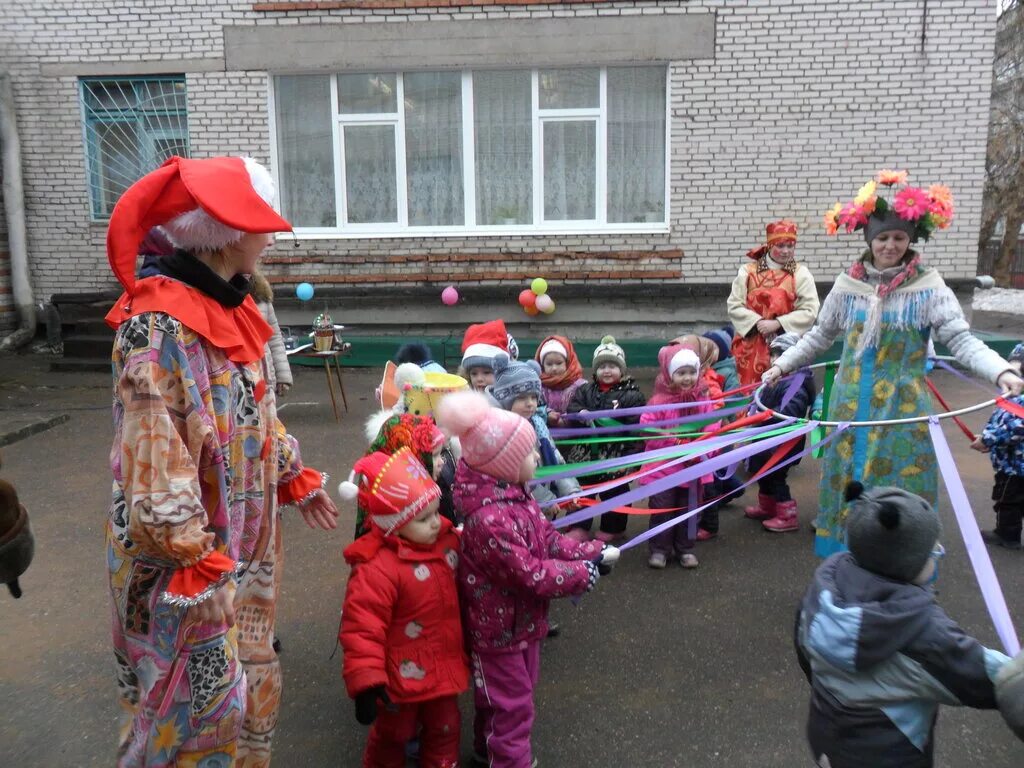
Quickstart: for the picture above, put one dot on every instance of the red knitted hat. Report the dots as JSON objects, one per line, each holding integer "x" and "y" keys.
{"x": 392, "y": 488}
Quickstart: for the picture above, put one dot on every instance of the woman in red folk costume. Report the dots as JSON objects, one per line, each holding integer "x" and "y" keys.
{"x": 200, "y": 464}
{"x": 772, "y": 294}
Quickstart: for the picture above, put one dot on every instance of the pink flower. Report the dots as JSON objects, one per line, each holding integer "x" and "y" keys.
{"x": 852, "y": 216}
{"x": 911, "y": 203}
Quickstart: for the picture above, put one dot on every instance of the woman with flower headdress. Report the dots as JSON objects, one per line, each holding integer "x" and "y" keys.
{"x": 887, "y": 307}
{"x": 772, "y": 294}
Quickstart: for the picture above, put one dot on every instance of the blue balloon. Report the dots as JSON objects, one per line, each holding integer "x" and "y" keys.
{"x": 304, "y": 291}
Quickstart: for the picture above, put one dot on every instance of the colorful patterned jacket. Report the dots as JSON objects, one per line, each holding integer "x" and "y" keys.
{"x": 1004, "y": 436}
{"x": 400, "y": 626}
{"x": 513, "y": 563}
{"x": 199, "y": 458}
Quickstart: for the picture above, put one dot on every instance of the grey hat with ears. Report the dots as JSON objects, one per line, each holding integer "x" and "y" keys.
{"x": 890, "y": 531}
{"x": 512, "y": 379}
{"x": 783, "y": 341}
{"x": 890, "y": 220}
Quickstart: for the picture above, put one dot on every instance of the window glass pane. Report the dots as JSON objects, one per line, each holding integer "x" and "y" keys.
{"x": 370, "y": 184}
{"x": 569, "y": 88}
{"x": 636, "y": 144}
{"x": 504, "y": 147}
{"x": 118, "y": 166}
{"x": 433, "y": 148}
{"x": 156, "y": 95}
{"x": 304, "y": 150}
{"x": 359, "y": 94}
{"x": 570, "y": 163}
{"x": 132, "y": 126}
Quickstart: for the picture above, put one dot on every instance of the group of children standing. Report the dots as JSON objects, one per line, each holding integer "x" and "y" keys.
{"x": 457, "y": 559}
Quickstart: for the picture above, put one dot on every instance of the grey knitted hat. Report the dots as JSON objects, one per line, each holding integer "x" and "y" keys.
{"x": 890, "y": 531}
{"x": 783, "y": 341}
{"x": 512, "y": 379}
{"x": 1017, "y": 354}
{"x": 610, "y": 352}
{"x": 878, "y": 224}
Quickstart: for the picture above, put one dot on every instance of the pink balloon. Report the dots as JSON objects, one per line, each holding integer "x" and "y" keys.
{"x": 527, "y": 298}
{"x": 450, "y": 296}
{"x": 545, "y": 304}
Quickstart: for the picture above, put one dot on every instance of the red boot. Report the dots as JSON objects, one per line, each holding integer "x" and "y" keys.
{"x": 785, "y": 519}
{"x": 763, "y": 510}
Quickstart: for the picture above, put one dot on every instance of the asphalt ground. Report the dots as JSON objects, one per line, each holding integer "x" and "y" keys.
{"x": 655, "y": 668}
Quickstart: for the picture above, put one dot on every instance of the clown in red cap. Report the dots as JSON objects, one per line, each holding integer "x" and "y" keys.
{"x": 772, "y": 294}
{"x": 201, "y": 465}
{"x": 404, "y": 657}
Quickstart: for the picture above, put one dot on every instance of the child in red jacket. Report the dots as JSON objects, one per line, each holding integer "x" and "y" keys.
{"x": 401, "y": 631}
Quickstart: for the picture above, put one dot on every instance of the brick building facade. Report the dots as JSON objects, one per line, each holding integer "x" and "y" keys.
{"x": 774, "y": 108}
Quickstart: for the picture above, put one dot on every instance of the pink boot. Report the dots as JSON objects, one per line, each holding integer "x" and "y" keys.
{"x": 763, "y": 510}
{"x": 578, "y": 534}
{"x": 785, "y": 519}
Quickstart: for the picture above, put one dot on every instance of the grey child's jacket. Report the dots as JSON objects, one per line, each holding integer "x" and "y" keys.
{"x": 881, "y": 655}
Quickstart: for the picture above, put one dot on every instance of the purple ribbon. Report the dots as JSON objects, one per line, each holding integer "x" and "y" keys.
{"x": 589, "y": 431}
{"x": 691, "y": 514}
{"x": 684, "y": 476}
{"x": 794, "y": 385}
{"x": 991, "y": 592}
{"x": 639, "y": 410}
{"x": 724, "y": 440}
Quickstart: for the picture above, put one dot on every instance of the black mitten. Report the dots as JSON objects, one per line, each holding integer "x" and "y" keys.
{"x": 366, "y": 704}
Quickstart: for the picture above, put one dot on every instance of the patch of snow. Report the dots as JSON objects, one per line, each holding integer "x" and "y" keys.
{"x": 1008, "y": 300}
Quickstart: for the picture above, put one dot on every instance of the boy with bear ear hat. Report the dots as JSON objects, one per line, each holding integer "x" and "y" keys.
{"x": 879, "y": 652}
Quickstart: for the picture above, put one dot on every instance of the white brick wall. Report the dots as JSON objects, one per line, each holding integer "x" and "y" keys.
{"x": 803, "y": 101}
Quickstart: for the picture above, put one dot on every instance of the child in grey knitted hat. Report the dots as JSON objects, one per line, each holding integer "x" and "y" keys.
{"x": 879, "y": 652}
{"x": 517, "y": 388}
{"x": 1003, "y": 440}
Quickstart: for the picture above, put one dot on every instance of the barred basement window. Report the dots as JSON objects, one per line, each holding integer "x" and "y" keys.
{"x": 130, "y": 127}
{"x": 489, "y": 151}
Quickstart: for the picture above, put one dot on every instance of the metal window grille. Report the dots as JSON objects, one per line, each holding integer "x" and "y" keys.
{"x": 131, "y": 126}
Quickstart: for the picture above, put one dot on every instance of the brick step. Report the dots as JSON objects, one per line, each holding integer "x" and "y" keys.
{"x": 80, "y": 365}
{"x": 89, "y": 345}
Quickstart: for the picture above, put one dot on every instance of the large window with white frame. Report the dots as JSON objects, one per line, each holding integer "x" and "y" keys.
{"x": 570, "y": 149}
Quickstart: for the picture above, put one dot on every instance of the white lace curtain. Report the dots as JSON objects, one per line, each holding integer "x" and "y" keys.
{"x": 636, "y": 144}
{"x": 305, "y": 154}
{"x": 504, "y": 147}
{"x": 433, "y": 148}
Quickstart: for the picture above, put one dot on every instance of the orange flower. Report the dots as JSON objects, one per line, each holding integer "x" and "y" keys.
{"x": 887, "y": 177}
{"x": 831, "y": 225}
{"x": 941, "y": 193}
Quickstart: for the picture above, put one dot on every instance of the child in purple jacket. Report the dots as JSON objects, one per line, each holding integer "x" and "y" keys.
{"x": 513, "y": 562}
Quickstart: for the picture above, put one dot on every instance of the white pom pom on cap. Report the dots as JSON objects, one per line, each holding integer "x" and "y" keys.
{"x": 411, "y": 374}
{"x": 459, "y": 411}
{"x": 347, "y": 489}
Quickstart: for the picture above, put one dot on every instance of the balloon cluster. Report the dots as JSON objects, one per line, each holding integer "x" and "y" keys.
{"x": 535, "y": 299}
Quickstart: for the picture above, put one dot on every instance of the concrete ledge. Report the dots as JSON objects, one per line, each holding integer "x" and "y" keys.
{"x": 32, "y": 426}
{"x": 476, "y": 43}
{"x": 118, "y": 68}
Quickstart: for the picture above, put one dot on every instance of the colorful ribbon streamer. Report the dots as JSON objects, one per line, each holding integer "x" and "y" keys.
{"x": 991, "y": 592}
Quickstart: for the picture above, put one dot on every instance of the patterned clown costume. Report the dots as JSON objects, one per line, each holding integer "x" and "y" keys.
{"x": 767, "y": 290}
{"x": 200, "y": 462}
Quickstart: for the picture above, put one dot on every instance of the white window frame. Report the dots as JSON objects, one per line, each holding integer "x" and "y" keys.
{"x": 401, "y": 229}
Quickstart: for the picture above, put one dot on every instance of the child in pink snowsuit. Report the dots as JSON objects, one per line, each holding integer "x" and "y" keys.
{"x": 513, "y": 563}
{"x": 678, "y": 381}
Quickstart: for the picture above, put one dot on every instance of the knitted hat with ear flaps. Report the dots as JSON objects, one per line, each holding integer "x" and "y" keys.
{"x": 890, "y": 531}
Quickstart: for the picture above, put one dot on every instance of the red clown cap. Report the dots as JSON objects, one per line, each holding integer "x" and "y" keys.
{"x": 208, "y": 202}
{"x": 392, "y": 488}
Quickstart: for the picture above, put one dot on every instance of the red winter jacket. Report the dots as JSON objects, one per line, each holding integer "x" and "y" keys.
{"x": 400, "y": 626}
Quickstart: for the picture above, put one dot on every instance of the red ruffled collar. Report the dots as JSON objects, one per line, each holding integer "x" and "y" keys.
{"x": 241, "y": 332}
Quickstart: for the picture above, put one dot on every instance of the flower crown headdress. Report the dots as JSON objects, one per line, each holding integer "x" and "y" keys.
{"x": 927, "y": 210}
